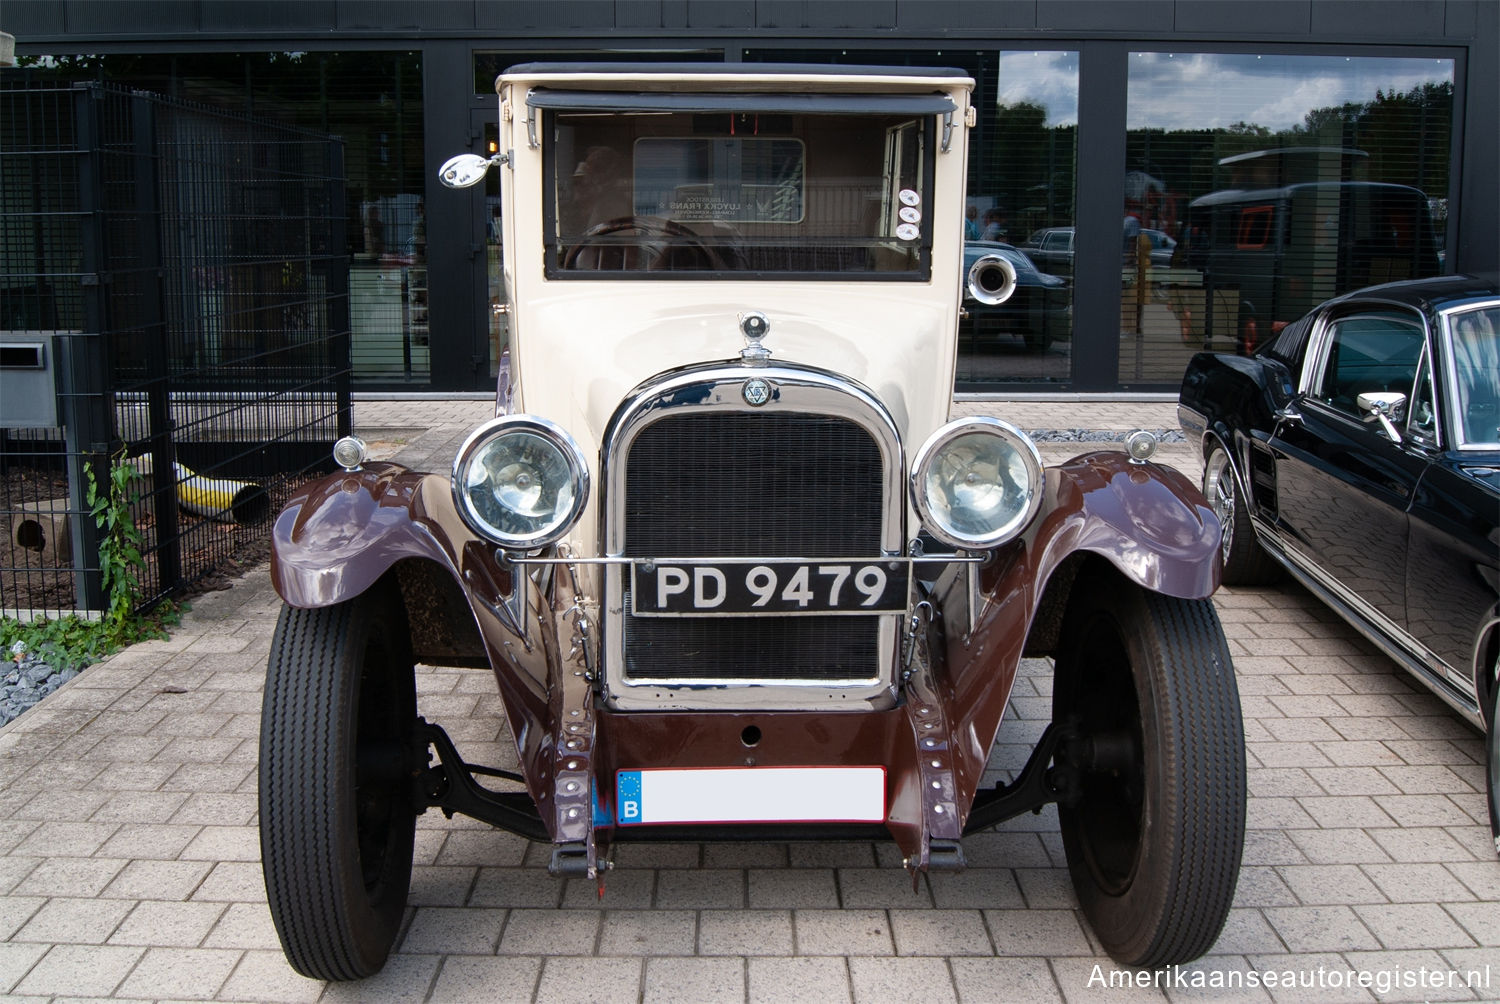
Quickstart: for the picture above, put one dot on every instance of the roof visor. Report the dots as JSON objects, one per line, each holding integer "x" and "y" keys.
{"x": 768, "y": 103}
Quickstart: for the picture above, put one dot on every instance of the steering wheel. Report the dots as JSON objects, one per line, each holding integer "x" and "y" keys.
{"x": 663, "y": 245}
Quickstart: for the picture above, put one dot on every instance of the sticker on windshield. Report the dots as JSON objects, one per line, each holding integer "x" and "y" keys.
{"x": 909, "y": 197}
{"x": 907, "y": 232}
{"x": 910, "y": 214}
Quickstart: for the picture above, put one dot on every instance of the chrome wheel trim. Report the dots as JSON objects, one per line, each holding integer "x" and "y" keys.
{"x": 1218, "y": 488}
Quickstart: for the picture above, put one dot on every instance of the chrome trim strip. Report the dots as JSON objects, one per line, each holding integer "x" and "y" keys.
{"x": 716, "y": 388}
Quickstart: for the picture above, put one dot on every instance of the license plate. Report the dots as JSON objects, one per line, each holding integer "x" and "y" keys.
{"x": 709, "y": 588}
{"x": 751, "y": 795}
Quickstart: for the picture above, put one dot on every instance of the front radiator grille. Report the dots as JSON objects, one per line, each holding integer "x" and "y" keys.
{"x": 748, "y": 484}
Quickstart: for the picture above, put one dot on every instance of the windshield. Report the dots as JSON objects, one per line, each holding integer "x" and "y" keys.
{"x": 721, "y": 194}
{"x": 1474, "y": 347}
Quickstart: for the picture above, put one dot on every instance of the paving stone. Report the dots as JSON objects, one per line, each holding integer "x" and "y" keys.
{"x": 165, "y": 924}
{"x": 798, "y": 981}
{"x": 461, "y": 931}
{"x": 551, "y": 932}
{"x": 1320, "y": 929}
{"x": 79, "y": 971}
{"x": 940, "y": 932}
{"x": 590, "y": 981}
{"x": 403, "y": 978}
{"x": 503, "y": 980}
{"x": 745, "y": 932}
{"x": 649, "y": 932}
{"x": 843, "y": 932}
{"x": 72, "y": 921}
{"x": 703, "y": 981}
{"x": 1018, "y": 979}
{"x": 190, "y": 973}
{"x": 885, "y": 980}
{"x": 1046, "y": 933}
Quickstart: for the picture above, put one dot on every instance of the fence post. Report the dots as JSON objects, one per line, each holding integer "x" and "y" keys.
{"x": 83, "y": 385}
{"x": 161, "y": 428}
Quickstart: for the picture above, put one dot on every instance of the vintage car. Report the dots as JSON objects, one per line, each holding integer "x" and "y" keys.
{"x": 735, "y": 569}
{"x": 1360, "y": 451}
{"x": 1019, "y": 302}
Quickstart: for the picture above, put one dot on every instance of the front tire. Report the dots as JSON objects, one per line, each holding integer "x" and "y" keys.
{"x": 1242, "y": 559}
{"x": 1154, "y": 839}
{"x": 337, "y": 819}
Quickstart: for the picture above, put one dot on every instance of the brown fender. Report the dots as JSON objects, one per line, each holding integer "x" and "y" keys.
{"x": 1149, "y": 522}
{"x": 339, "y": 534}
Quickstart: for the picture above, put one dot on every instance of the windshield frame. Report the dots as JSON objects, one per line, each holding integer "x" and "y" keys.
{"x": 555, "y": 247}
{"x": 1453, "y": 389}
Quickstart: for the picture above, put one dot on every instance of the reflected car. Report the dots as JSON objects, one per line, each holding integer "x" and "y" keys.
{"x": 1051, "y": 250}
{"x": 1039, "y": 311}
{"x": 1360, "y": 452}
{"x": 1162, "y": 247}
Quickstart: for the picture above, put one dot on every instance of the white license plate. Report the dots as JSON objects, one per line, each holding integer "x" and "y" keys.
{"x": 751, "y": 795}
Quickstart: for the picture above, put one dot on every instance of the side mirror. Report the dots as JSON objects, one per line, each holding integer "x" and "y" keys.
{"x": 467, "y": 169}
{"x": 1381, "y": 406}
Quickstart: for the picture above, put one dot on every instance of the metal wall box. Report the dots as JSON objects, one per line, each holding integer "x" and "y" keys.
{"x": 28, "y": 380}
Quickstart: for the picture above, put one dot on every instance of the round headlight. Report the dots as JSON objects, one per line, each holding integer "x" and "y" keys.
{"x": 520, "y": 481}
{"x": 977, "y": 483}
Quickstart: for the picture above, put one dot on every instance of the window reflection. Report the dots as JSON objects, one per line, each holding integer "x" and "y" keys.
{"x": 1258, "y": 186}
{"x": 1021, "y": 199}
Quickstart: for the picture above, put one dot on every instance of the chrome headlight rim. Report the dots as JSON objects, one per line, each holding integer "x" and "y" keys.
{"x": 557, "y": 437}
{"x": 932, "y": 450}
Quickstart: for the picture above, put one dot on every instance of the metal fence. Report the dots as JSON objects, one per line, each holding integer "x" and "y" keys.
{"x": 173, "y": 281}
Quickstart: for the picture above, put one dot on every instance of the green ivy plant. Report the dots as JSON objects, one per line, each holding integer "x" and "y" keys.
{"x": 120, "y": 561}
{"x": 72, "y": 641}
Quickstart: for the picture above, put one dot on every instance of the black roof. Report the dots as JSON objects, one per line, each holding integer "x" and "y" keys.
{"x": 1434, "y": 293}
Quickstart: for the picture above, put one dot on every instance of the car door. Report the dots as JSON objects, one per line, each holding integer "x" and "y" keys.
{"x": 1344, "y": 485}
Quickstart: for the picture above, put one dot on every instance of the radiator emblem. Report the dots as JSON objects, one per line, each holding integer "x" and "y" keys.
{"x": 756, "y": 392}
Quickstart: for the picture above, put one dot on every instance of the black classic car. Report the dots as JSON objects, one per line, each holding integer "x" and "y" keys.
{"x": 1025, "y": 303}
{"x": 1360, "y": 451}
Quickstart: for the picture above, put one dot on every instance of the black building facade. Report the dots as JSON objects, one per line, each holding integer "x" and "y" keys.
{"x": 1197, "y": 172}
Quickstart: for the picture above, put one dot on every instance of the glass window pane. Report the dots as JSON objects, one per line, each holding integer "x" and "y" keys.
{"x": 1258, "y": 186}
{"x": 1021, "y": 207}
{"x": 654, "y": 195}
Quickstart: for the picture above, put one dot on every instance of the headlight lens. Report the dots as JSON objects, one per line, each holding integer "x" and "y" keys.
{"x": 977, "y": 483}
{"x": 520, "y": 481}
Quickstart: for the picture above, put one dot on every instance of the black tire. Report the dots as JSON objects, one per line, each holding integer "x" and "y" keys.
{"x": 1241, "y": 557}
{"x": 1154, "y": 841}
{"x": 337, "y": 818}
{"x": 1492, "y": 754}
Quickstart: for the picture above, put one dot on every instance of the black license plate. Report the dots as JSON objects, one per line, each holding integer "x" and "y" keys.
{"x": 707, "y": 588}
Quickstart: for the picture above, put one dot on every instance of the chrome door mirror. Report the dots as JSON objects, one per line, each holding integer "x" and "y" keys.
{"x": 1382, "y": 406}
{"x": 467, "y": 169}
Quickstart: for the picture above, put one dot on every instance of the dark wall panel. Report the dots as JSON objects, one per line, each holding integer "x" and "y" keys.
{"x": 717, "y": 14}
{"x": 24, "y": 18}
{"x": 967, "y": 15}
{"x": 1267, "y": 17}
{"x": 1150, "y": 17}
{"x": 795, "y": 14}
{"x": 267, "y": 15}
{"x": 429, "y": 15}
{"x": 1396, "y": 21}
{"x": 501, "y": 16}
{"x": 106, "y": 17}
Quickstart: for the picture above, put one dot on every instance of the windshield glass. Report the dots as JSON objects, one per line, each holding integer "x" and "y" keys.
{"x": 1474, "y": 347}
{"x": 680, "y": 194}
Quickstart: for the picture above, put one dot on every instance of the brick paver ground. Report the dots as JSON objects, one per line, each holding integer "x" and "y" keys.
{"x": 129, "y": 851}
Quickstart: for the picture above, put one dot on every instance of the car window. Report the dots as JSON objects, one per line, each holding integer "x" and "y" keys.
{"x": 636, "y": 195}
{"x": 1369, "y": 352}
{"x": 1421, "y": 418}
{"x": 1474, "y": 344}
